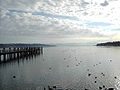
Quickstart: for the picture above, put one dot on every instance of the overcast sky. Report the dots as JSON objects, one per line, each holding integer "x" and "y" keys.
{"x": 59, "y": 21}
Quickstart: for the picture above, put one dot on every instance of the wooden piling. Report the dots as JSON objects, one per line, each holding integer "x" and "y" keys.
{"x": 16, "y": 53}
{"x": 4, "y": 55}
{"x": 10, "y": 55}
{"x": 0, "y": 55}
{"x": 42, "y": 50}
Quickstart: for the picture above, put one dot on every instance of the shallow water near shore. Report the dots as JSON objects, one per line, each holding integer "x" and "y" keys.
{"x": 76, "y": 68}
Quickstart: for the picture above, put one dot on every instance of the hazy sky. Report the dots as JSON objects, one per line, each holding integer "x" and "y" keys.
{"x": 59, "y": 21}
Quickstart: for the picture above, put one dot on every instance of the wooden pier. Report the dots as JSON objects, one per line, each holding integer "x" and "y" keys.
{"x": 16, "y": 53}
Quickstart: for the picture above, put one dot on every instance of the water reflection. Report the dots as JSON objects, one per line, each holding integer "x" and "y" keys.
{"x": 61, "y": 68}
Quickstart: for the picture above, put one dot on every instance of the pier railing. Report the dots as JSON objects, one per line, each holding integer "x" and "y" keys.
{"x": 12, "y": 53}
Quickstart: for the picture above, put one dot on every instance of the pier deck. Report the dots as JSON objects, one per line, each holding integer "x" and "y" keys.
{"x": 11, "y": 53}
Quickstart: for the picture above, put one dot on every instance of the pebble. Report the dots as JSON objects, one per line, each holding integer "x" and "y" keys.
{"x": 110, "y": 89}
{"x": 67, "y": 65}
{"x": 115, "y": 77}
{"x": 89, "y": 74}
{"x": 100, "y": 87}
{"x": 77, "y": 65}
{"x": 110, "y": 60}
{"x": 103, "y": 74}
{"x": 14, "y": 76}
{"x": 50, "y": 68}
{"x": 54, "y": 87}
{"x": 95, "y": 77}
{"x": 103, "y": 86}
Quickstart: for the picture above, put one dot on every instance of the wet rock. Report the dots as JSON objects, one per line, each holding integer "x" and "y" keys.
{"x": 67, "y": 65}
{"x": 14, "y": 76}
{"x": 103, "y": 86}
{"x": 89, "y": 74}
{"x": 50, "y": 68}
{"x": 54, "y": 87}
{"x": 49, "y": 88}
{"x": 95, "y": 81}
{"x": 44, "y": 88}
{"x": 110, "y": 89}
{"x": 110, "y": 60}
{"x": 115, "y": 77}
{"x": 77, "y": 65}
{"x": 100, "y": 87}
{"x": 95, "y": 77}
{"x": 87, "y": 69}
{"x": 103, "y": 74}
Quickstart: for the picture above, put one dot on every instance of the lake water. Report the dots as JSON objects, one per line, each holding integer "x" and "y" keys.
{"x": 72, "y": 68}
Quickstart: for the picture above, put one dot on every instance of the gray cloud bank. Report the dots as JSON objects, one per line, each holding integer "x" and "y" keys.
{"x": 43, "y": 21}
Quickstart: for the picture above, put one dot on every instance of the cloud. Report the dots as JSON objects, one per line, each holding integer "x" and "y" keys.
{"x": 84, "y": 3}
{"x": 105, "y": 3}
{"x": 58, "y": 20}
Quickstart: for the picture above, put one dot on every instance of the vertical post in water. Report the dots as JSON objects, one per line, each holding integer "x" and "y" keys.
{"x": 0, "y": 55}
{"x": 35, "y": 50}
{"x": 14, "y": 51}
{"x": 10, "y": 55}
{"x": 32, "y": 50}
{"x": 18, "y": 53}
{"x": 21, "y": 49}
{"x": 38, "y": 50}
{"x": 26, "y": 51}
{"x": 41, "y": 50}
{"x": 4, "y": 54}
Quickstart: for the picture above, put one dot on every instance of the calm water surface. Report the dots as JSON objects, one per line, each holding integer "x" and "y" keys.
{"x": 76, "y": 68}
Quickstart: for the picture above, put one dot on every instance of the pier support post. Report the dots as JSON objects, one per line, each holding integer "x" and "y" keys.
{"x": 0, "y": 55}
{"x": 18, "y": 53}
{"x": 4, "y": 54}
{"x": 4, "y": 57}
{"x": 41, "y": 50}
{"x": 10, "y": 55}
{"x": 14, "y": 55}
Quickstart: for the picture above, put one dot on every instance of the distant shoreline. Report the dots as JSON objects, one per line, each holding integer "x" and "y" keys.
{"x": 24, "y": 45}
{"x": 114, "y": 43}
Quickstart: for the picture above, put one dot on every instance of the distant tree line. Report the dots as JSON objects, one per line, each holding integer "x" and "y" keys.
{"x": 115, "y": 43}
